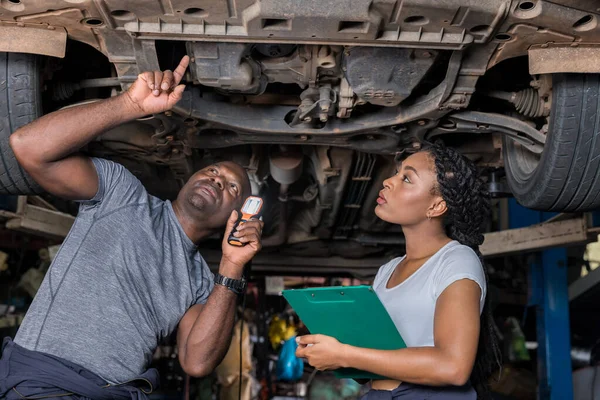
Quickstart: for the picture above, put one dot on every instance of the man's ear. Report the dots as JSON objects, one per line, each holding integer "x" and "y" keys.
{"x": 438, "y": 207}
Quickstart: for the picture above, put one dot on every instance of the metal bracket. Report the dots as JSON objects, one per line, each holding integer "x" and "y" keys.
{"x": 519, "y": 131}
{"x": 558, "y": 233}
{"x": 31, "y": 39}
{"x": 550, "y": 58}
{"x": 37, "y": 217}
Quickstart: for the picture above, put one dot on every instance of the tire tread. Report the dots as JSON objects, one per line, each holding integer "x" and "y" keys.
{"x": 19, "y": 105}
{"x": 568, "y": 175}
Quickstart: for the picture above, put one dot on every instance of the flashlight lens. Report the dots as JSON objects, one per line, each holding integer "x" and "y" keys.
{"x": 251, "y": 206}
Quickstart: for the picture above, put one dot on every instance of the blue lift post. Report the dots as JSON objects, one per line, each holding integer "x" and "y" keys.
{"x": 549, "y": 295}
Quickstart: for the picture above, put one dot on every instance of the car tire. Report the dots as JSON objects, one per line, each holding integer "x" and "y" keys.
{"x": 566, "y": 177}
{"x": 20, "y": 103}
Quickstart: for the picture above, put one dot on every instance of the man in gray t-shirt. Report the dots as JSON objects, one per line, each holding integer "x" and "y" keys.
{"x": 129, "y": 272}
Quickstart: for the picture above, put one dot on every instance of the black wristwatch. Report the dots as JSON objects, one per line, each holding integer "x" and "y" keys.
{"x": 237, "y": 286}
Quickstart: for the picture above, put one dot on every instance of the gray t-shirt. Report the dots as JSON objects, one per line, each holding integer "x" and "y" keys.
{"x": 411, "y": 304}
{"x": 122, "y": 280}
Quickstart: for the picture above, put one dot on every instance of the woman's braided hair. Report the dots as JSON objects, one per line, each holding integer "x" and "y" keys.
{"x": 467, "y": 200}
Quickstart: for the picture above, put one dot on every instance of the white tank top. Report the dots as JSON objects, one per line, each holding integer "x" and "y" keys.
{"x": 411, "y": 304}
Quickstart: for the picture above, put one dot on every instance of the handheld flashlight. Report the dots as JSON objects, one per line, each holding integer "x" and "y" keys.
{"x": 251, "y": 209}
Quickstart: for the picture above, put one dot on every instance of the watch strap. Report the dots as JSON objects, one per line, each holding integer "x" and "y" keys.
{"x": 237, "y": 286}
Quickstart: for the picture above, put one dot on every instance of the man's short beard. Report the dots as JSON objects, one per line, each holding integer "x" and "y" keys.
{"x": 197, "y": 202}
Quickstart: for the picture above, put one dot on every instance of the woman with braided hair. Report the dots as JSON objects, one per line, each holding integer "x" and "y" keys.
{"x": 435, "y": 294}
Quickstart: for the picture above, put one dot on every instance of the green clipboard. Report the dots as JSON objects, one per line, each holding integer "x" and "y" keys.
{"x": 352, "y": 314}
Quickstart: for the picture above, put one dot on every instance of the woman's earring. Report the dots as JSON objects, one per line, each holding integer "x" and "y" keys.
{"x": 429, "y": 217}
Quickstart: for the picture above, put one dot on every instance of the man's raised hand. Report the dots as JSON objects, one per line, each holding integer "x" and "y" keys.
{"x": 157, "y": 91}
